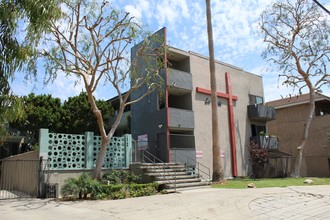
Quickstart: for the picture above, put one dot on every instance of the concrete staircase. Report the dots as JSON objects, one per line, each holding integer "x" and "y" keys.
{"x": 173, "y": 176}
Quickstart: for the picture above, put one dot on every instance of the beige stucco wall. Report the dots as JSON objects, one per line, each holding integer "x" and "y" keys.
{"x": 289, "y": 126}
{"x": 243, "y": 84}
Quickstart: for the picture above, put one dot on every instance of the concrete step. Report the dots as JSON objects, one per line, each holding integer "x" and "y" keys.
{"x": 186, "y": 185}
{"x": 174, "y": 177}
{"x": 187, "y": 188}
{"x": 160, "y": 164}
{"x": 172, "y": 181}
{"x": 156, "y": 174}
{"x": 161, "y": 170}
{"x": 177, "y": 166}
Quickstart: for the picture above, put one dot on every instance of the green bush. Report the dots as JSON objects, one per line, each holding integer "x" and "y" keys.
{"x": 80, "y": 187}
{"x": 122, "y": 191}
{"x": 121, "y": 194}
{"x": 120, "y": 177}
{"x": 137, "y": 190}
{"x": 84, "y": 185}
{"x": 109, "y": 189}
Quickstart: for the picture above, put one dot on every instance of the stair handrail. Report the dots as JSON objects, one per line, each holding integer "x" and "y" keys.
{"x": 197, "y": 166}
{"x": 154, "y": 163}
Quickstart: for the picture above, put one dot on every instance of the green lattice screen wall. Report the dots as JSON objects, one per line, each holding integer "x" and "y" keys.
{"x": 75, "y": 152}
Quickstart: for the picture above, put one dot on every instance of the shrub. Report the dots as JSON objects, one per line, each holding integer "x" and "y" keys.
{"x": 137, "y": 190}
{"x": 121, "y": 194}
{"x": 122, "y": 191}
{"x": 109, "y": 189}
{"x": 120, "y": 177}
{"x": 85, "y": 185}
{"x": 80, "y": 187}
{"x": 259, "y": 158}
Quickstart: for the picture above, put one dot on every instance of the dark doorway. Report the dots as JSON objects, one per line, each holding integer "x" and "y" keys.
{"x": 257, "y": 129}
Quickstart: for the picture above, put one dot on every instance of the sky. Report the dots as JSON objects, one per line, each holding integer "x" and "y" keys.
{"x": 235, "y": 34}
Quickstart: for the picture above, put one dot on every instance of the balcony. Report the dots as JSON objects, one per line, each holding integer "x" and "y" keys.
{"x": 261, "y": 113}
{"x": 179, "y": 82}
{"x": 181, "y": 119}
{"x": 266, "y": 141}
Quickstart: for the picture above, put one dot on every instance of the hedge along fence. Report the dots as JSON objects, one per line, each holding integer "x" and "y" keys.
{"x": 77, "y": 152}
{"x": 122, "y": 191}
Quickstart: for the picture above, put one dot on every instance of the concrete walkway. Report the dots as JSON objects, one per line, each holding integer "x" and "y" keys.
{"x": 307, "y": 202}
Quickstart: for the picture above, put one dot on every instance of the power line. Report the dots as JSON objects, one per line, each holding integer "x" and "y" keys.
{"x": 326, "y": 10}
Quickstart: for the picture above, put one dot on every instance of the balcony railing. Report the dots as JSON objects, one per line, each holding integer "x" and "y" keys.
{"x": 261, "y": 112}
{"x": 266, "y": 141}
{"x": 179, "y": 79}
{"x": 181, "y": 118}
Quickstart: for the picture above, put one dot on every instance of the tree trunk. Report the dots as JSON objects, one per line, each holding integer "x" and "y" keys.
{"x": 300, "y": 148}
{"x": 100, "y": 158}
{"x": 105, "y": 137}
{"x": 105, "y": 141}
{"x": 217, "y": 174}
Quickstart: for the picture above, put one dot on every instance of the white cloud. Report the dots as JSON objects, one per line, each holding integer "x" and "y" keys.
{"x": 133, "y": 11}
{"x": 235, "y": 34}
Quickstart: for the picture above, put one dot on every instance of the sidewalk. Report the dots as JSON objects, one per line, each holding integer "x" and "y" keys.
{"x": 307, "y": 202}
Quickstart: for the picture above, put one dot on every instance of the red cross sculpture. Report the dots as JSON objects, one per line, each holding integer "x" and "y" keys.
{"x": 230, "y": 97}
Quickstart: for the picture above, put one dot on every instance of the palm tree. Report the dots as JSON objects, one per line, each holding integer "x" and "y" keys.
{"x": 217, "y": 174}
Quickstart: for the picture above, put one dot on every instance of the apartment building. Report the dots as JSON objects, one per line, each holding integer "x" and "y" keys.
{"x": 175, "y": 125}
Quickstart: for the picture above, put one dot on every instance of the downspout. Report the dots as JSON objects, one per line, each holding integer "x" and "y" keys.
{"x": 166, "y": 101}
{"x": 231, "y": 125}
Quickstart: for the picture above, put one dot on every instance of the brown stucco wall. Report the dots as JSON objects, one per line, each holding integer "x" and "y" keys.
{"x": 289, "y": 127}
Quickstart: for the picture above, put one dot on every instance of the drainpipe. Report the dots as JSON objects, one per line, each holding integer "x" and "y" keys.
{"x": 231, "y": 125}
{"x": 166, "y": 101}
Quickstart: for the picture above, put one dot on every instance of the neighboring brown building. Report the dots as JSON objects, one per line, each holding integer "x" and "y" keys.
{"x": 291, "y": 114}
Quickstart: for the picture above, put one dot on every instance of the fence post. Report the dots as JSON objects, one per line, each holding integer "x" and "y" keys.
{"x": 89, "y": 149}
{"x": 44, "y": 142}
{"x": 128, "y": 149}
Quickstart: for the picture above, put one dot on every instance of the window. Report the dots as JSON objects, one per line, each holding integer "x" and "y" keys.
{"x": 161, "y": 100}
{"x": 256, "y": 100}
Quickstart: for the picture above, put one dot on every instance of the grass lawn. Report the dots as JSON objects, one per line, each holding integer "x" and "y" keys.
{"x": 241, "y": 183}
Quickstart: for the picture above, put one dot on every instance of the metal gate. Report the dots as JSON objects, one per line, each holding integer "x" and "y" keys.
{"x": 20, "y": 178}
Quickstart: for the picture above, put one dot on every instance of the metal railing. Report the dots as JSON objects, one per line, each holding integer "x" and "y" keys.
{"x": 202, "y": 170}
{"x": 148, "y": 157}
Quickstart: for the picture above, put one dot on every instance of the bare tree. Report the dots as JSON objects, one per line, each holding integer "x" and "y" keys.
{"x": 217, "y": 174}
{"x": 297, "y": 37}
{"x": 92, "y": 43}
